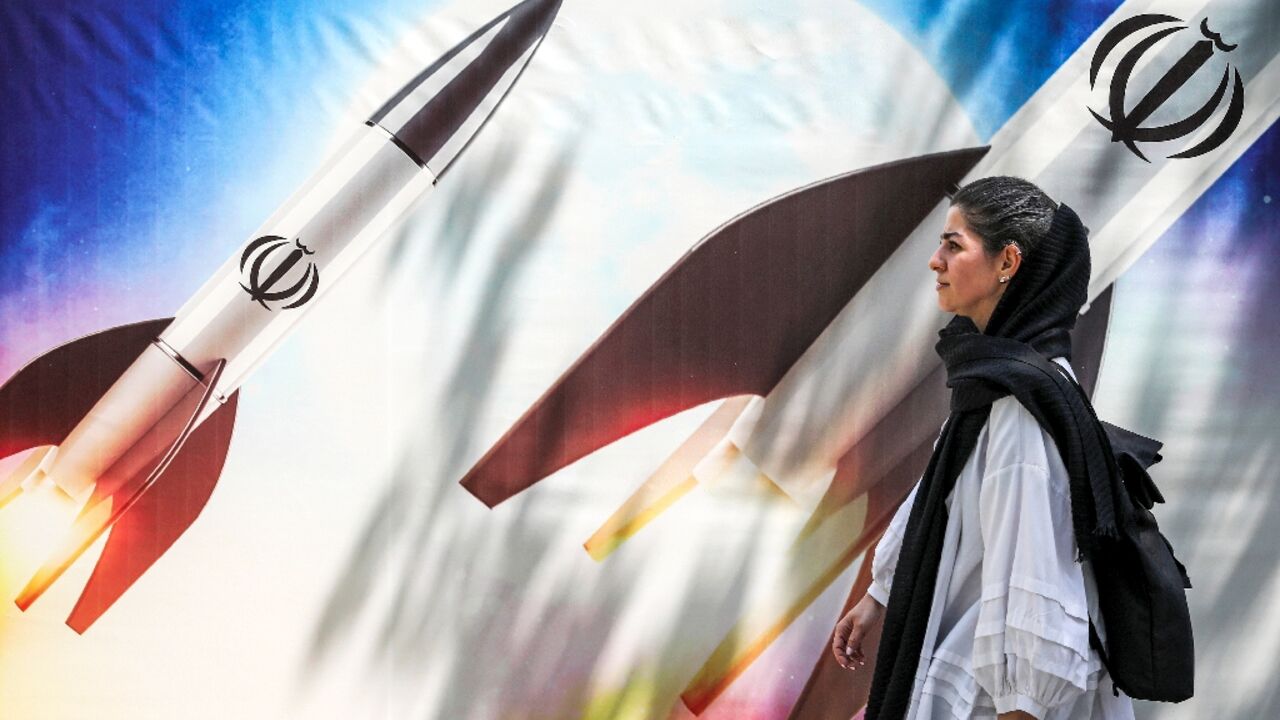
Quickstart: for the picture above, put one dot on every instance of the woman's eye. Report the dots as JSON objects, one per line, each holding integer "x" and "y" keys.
{"x": 954, "y": 245}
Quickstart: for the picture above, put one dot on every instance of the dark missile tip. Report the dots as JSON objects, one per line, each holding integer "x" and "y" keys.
{"x": 433, "y": 127}
{"x": 535, "y": 16}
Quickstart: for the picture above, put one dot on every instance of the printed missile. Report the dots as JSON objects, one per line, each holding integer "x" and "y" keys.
{"x": 131, "y": 425}
{"x": 845, "y": 428}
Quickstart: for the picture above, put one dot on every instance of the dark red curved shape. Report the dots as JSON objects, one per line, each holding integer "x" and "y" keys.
{"x": 729, "y": 318}
{"x": 41, "y": 404}
{"x": 44, "y": 400}
{"x": 159, "y": 517}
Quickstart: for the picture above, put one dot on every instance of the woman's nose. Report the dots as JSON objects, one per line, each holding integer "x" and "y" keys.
{"x": 935, "y": 262}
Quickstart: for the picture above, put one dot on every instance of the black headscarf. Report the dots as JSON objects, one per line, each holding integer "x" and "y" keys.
{"x": 1030, "y": 324}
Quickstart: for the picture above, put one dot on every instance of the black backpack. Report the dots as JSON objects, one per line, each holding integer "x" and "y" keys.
{"x": 1142, "y": 587}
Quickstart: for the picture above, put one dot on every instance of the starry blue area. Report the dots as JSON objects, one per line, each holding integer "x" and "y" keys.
{"x": 123, "y": 121}
{"x": 1243, "y": 205}
{"x": 92, "y": 90}
{"x": 993, "y": 54}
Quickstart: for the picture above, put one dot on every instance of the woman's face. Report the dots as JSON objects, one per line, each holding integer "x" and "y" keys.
{"x": 968, "y": 280}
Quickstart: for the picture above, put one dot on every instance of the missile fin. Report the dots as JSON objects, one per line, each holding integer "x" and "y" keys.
{"x": 729, "y": 318}
{"x": 159, "y": 517}
{"x": 124, "y": 484}
{"x": 44, "y": 400}
{"x": 1089, "y": 340}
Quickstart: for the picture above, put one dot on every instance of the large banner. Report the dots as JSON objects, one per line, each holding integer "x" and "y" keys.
{"x": 481, "y": 360}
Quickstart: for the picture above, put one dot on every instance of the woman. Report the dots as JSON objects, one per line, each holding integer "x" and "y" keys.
{"x": 983, "y": 569}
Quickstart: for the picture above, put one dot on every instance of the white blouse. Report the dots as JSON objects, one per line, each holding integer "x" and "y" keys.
{"x": 1009, "y": 628}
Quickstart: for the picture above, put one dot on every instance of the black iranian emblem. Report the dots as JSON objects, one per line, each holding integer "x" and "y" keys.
{"x": 286, "y": 280}
{"x": 1128, "y": 127}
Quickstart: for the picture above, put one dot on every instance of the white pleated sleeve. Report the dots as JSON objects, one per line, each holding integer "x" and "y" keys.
{"x": 886, "y": 557}
{"x": 1031, "y": 644}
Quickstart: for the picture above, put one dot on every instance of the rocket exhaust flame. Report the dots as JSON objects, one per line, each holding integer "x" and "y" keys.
{"x": 114, "y": 496}
{"x": 29, "y": 530}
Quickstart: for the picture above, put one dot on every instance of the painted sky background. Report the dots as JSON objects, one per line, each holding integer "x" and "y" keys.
{"x": 126, "y": 162}
{"x": 338, "y": 566}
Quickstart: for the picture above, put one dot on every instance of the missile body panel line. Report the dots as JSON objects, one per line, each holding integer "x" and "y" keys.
{"x": 182, "y": 362}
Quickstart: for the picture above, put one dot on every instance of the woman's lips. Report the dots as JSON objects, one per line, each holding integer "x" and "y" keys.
{"x": 939, "y": 285}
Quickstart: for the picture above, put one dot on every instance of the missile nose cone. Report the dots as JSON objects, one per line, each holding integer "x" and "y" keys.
{"x": 436, "y": 114}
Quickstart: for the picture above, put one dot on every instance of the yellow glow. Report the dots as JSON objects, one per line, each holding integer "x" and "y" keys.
{"x": 31, "y": 527}
{"x": 670, "y": 482}
{"x": 645, "y": 505}
{"x": 816, "y": 562}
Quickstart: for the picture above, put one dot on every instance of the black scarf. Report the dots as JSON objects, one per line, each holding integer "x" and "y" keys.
{"x": 1030, "y": 323}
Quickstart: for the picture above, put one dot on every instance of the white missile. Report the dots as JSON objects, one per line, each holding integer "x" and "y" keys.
{"x": 142, "y": 414}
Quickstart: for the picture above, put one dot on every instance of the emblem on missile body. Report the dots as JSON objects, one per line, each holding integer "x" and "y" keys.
{"x": 1128, "y": 127}
{"x": 259, "y": 253}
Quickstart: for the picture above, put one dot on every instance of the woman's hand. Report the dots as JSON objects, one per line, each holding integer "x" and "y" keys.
{"x": 846, "y": 644}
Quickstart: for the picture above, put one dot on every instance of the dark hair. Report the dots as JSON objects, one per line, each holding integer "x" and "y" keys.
{"x": 1003, "y": 210}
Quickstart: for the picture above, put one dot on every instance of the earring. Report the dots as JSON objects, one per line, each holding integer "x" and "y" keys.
{"x": 1004, "y": 278}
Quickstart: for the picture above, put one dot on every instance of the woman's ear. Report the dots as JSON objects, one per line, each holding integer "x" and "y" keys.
{"x": 1010, "y": 259}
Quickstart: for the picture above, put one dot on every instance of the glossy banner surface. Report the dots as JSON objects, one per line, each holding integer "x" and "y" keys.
{"x": 608, "y": 420}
